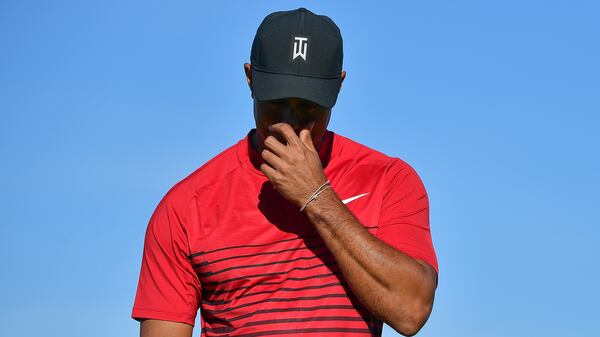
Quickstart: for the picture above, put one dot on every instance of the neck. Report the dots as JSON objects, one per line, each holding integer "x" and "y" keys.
{"x": 255, "y": 143}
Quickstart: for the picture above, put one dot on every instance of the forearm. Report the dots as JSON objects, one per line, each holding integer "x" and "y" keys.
{"x": 393, "y": 286}
{"x": 388, "y": 283}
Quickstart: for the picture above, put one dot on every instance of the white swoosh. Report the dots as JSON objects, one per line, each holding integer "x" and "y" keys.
{"x": 345, "y": 201}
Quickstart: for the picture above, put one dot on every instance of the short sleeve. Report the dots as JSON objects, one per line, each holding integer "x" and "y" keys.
{"x": 404, "y": 217}
{"x": 168, "y": 288}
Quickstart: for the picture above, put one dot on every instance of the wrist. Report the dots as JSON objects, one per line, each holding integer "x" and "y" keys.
{"x": 324, "y": 197}
{"x": 315, "y": 195}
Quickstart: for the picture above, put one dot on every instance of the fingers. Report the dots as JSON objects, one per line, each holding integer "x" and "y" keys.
{"x": 268, "y": 171}
{"x": 286, "y": 131}
{"x": 272, "y": 144}
{"x": 271, "y": 159}
{"x": 306, "y": 138}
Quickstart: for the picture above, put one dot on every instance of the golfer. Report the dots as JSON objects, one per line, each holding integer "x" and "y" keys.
{"x": 294, "y": 230}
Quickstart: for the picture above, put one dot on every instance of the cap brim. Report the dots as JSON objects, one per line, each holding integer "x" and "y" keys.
{"x": 270, "y": 86}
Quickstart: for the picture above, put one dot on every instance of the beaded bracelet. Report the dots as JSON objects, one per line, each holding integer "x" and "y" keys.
{"x": 315, "y": 195}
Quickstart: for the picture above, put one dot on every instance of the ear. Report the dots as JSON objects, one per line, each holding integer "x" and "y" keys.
{"x": 248, "y": 71}
{"x": 342, "y": 81}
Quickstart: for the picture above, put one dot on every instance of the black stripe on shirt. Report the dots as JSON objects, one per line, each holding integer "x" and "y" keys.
{"x": 214, "y": 319}
{"x": 223, "y": 291}
{"x": 269, "y": 274}
{"x": 210, "y": 273}
{"x": 226, "y": 329}
{"x": 253, "y": 245}
{"x": 206, "y": 263}
{"x": 259, "y": 245}
{"x": 320, "y": 286}
{"x": 306, "y": 330}
{"x": 293, "y": 299}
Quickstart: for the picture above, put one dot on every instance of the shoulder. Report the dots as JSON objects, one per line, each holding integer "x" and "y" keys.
{"x": 392, "y": 167}
{"x": 212, "y": 172}
{"x": 360, "y": 154}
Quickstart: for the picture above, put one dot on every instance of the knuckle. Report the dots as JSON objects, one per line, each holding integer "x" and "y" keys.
{"x": 272, "y": 143}
{"x": 275, "y": 179}
{"x": 268, "y": 140}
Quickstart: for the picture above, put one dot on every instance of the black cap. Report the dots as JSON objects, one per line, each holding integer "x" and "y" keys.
{"x": 297, "y": 53}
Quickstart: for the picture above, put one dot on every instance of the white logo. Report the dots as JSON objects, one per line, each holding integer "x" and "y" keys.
{"x": 345, "y": 201}
{"x": 300, "y": 47}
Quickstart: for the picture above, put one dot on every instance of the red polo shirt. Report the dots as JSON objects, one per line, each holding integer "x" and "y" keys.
{"x": 224, "y": 241}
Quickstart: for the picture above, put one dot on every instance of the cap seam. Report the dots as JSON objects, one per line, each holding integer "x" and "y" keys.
{"x": 303, "y": 75}
{"x": 302, "y": 32}
{"x": 331, "y": 25}
{"x": 263, "y": 31}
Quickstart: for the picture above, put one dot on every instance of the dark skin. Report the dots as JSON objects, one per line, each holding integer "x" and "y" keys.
{"x": 395, "y": 287}
{"x": 296, "y": 112}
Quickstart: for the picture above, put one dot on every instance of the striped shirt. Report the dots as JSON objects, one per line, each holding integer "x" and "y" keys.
{"x": 225, "y": 242}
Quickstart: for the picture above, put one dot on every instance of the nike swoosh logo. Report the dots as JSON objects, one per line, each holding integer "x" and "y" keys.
{"x": 345, "y": 201}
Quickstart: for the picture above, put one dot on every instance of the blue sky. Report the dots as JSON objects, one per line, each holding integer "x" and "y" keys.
{"x": 105, "y": 105}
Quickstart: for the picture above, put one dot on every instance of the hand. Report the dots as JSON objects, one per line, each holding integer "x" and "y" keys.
{"x": 294, "y": 168}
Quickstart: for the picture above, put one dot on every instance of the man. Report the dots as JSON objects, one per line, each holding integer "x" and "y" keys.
{"x": 294, "y": 230}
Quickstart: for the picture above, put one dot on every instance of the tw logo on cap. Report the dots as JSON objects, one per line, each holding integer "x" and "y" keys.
{"x": 300, "y": 47}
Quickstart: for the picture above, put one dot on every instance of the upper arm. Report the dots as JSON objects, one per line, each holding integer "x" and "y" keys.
{"x": 404, "y": 217}
{"x": 168, "y": 288}
{"x": 158, "y": 328}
